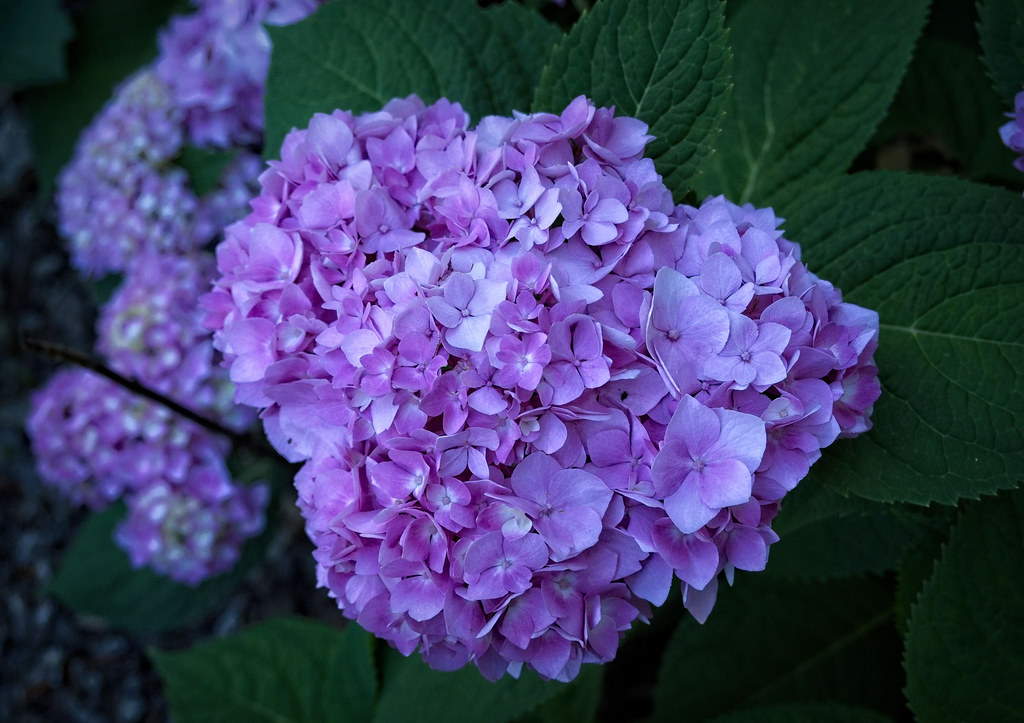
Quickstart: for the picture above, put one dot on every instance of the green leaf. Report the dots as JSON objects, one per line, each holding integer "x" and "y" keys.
{"x": 113, "y": 38}
{"x": 576, "y": 702}
{"x": 965, "y": 644}
{"x": 942, "y": 102}
{"x": 918, "y": 562}
{"x": 358, "y": 56}
{"x": 412, "y": 691}
{"x": 824, "y": 535}
{"x": 942, "y": 261}
{"x": 96, "y": 578}
{"x": 32, "y": 39}
{"x": 286, "y": 669}
{"x": 770, "y": 642}
{"x": 204, "y": 167}
{"x": 105, "y": 287}
{"x": 1001, "y": 29}
{"x": 813, "y": 80}
{"x": 804, "y": 713}
{"x": 665, "y": 63}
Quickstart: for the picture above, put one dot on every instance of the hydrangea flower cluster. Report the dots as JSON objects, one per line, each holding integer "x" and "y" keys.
{"x": 98, "y": 443}
{"x": 125, "y": 207}
{"x": 122, "y": 194}
{"x": 151, "y": 331}
{"x": 527, "y": 388}
{"x": 1012, "y": 133}
{"x": 214, "y": 63}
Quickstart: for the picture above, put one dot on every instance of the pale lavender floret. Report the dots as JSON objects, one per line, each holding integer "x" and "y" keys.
{"x": 526, "y": 389}
{"x": 707, "y": 462}
{"x": 193, "y": 529}
{"x": 577, "y": 361}
{"x": 751, "y": 356}
{"x": 465, "y": 309}
{"x": 684, "y": 330}
{"x": 495, "y": 566}
{"x": 566, "y": 504}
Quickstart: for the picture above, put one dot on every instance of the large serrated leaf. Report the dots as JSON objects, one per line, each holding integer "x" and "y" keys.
{"x": 32, "y": 39}
{"x": 942, "y": 261}
{"x": 813, "y": 80}
{"x": 918, "y": 563}
{"x": 284, "y": 670}
{"x": 665, "y": 63}
{"x": 942, "y": 101}
{"x": 824, "y": 535}
{"x": 804, "y": 713}
{"x": 965, "y": 643}
{"x": 576, "y": 702}
{"x": 769, "y": 642}
{"x": 412, "y": 691}
{"x": 1001, "y": 29}
{"x": 96, "y": 578}
{"x": 358, "y": 55}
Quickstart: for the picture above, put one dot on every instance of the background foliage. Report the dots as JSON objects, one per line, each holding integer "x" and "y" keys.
{"x": 898, "y": 586}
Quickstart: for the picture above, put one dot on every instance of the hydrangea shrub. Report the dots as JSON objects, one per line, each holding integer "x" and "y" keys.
{"x": 471, "y": 353}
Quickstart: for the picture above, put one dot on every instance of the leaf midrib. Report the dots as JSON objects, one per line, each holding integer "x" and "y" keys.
{"x": 947, "y": 335}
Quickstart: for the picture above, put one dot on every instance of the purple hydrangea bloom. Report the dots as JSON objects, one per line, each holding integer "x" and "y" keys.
{"x": 97, "y": 443}
{"x": 150, "y": 330}
{"x": 214, "y": 63}
{"x": 194, "y": 529}
{"x": 72, "y": 426}
{"x": 1012, "y": 133}
{"x": 125, "y": 206}
{"x": 526, "y": 388}
{"x": 119, "y": 195}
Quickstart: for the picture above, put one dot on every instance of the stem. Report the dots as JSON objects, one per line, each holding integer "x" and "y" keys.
{"x": 66, "y": 354}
